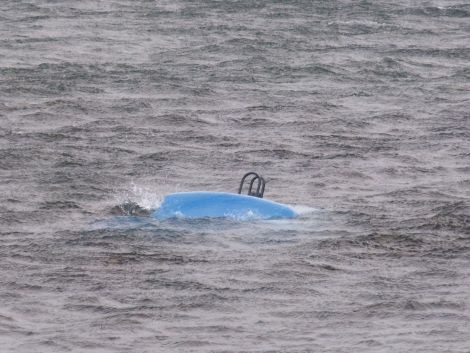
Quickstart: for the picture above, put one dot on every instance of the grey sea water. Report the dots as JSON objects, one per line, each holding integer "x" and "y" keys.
{"x": 357, "y": 113}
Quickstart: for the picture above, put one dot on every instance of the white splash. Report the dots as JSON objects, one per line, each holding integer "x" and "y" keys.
{"x": 303, "y": 210}
{"x": 146, "y": 196}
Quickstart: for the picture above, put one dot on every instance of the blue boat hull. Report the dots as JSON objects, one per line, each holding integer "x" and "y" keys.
{"x": 202, "y": 204}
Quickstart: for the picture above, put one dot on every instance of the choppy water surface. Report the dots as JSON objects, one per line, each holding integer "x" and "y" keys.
{"x": 356, "y": 112}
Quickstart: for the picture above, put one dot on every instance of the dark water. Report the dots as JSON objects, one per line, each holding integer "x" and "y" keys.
{"x": 356, "y": 112}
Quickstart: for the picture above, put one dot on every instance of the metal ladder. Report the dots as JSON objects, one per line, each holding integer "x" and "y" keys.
{"x": 260, "y": 184}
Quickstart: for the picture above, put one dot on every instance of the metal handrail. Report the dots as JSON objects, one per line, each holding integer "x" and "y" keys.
{"x": 260, "y": 186}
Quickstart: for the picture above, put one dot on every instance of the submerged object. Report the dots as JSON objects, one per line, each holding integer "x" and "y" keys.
{"x": 204, "y": 204}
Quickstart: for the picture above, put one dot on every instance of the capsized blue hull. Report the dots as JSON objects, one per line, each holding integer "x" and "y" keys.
{"x": 203, "y": 204}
